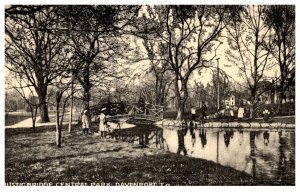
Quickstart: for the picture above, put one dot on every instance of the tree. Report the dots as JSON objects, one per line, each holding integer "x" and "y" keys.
{"x": 59, "y": 118}
{"x": 190, "y": 34}
{"x": 281, "y": 18}
{"x": 95, "y": 34}
{"x": 246, "y": 39}
{"x": 32, "y": 51}
{"x": 200, "y": 94}
{"x": 157, "y": 54}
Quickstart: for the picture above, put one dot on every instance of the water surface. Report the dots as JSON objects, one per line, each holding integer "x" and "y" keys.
{"x": 264, "y": 154}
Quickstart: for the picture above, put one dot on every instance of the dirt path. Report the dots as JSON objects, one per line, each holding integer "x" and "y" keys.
{"x": 27, "y": 123}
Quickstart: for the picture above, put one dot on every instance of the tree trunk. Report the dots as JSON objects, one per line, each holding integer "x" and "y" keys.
{"x": 86, "y": 98}
{"x": 44, "y": 112}
{"x": 42, "y": 94}
{"x": 32, "y": 117}
{"x": 71, "y": 115}
{"x": 253, "y": 105}
{"x": 58, "y": 127}
{"x": 180, "y": 110}
{"x": 182, "y": 96}
{"x": 281, "y": 90}
{"x": 86, "y": 86}
{"x": 157, "y": 91}
{"x": 71, "y": 110}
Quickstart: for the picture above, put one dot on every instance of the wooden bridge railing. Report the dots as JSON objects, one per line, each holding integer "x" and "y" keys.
{"x": 147, "y": 112}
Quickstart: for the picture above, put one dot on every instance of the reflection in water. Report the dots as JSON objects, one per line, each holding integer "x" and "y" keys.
{"x": 181, "y": 146}
{"x": 252, "y": 152}
{"x": 241, "y": 137}
{"x": 246, "y": 150}
{"x": 142, "y": 135}
{"x": 159, "y": 141}
{"x": 266, "y": 137}
{"x": 227, "y": 136}
{"x": 266, "y": 155}
{"x": 282, "y": 158}
{"x": 218, "y": 147}
{"x": 193, "y": 135}
{"x": 202, "y": 135}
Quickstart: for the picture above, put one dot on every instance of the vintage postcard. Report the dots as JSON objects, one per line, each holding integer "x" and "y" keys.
{"x": 149, "y": 95}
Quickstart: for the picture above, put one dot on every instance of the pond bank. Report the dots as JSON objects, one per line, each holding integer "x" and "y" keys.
{"x": 33, "y": 157}
{"x": 231, "y": 124}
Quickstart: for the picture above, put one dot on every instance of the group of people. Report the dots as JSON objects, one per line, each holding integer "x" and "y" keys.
{"x": 203, "y": 114}
{"x": 86, "y": 123}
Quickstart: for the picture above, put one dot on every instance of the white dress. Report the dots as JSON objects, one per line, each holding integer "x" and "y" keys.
{"x": 241, "y": 112}
{"x": 85, "y": 122}
{"x": 102, "y": 126}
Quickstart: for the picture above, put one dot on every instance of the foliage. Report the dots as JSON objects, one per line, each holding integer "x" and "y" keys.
{"x": 276, "y": 109}
{"x": 281, "y": 18}
{"x": 32, "y": 52}
{"x": 246, "y": 39}
{"x": 96, "y": 42}
{"x": 189, "y": 34}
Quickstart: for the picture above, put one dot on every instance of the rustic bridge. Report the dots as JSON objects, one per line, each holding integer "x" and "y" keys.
{"x": 120, "y": 112}
{"x": 148, "y": 112}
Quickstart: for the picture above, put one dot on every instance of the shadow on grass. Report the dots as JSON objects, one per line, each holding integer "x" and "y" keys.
{"x": 34, "y": 161}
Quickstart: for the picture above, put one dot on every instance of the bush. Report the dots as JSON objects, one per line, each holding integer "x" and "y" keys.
{"x": 277, "y": 109}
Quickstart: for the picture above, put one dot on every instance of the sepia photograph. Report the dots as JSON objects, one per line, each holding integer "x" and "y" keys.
{"x": 149, "y": 95}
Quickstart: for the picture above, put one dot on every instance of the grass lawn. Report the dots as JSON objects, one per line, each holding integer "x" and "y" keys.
{"x": 33, "y": 157}
{"x": 12, "y": 118}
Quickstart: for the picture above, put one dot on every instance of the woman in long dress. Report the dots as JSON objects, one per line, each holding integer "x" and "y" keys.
{"x": 102, "y": 125}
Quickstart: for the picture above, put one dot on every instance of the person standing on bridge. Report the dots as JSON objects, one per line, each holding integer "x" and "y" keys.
{"x": 204, "y": 110}
{"x": 141, "y": 104}
{"x": 193, "y": 117}
{"x": 102, "y": 124}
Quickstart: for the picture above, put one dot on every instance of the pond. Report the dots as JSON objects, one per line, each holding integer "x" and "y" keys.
{"x": 264, "y": 154}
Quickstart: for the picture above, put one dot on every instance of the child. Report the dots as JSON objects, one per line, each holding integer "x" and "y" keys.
{"x": 102, "y": 124}
{"x": 85, "y": 122}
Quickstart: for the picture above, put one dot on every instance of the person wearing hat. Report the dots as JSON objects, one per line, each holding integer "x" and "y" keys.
{"x": 85, "y": 122}
{"x": 102, "y": 124}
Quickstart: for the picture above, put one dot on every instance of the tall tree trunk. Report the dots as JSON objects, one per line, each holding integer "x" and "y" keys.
{"x": 32, "y": 117}
{"x": 44, "y": 112}
{"x": 86, "y": 86}
{"x": 86, "y": 98}
{"x": 42, "y": 93}
{"x": 281, "y": 88}
{"x": 71, "y": 110}
{"x": 157, "y": 91}
{"x": 181, "y": 96}
{"x": 253, "y": 104}
{"x": 180, "y": 110}
{"x": 58, "y": 127}
{"x": 71, "y": 115}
